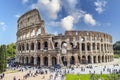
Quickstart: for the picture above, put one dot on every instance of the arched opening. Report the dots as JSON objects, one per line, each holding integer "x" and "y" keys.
{"x": 32, "y": 46}
{"x": 105, "y": 58}
{"x": 89, "y": 59}
{"x": 64, "y": 45}
{"x": 98, "y": 59}
{"x": 72, "y": 60}
{"x": 46, "y": 45}
{"x": 26, "y": 60}
{"x": 83, "y": 60}
{"x": 94, "y": 59}
{"x": 23, "y": 47}
{"x": 102, "y": 58}
{"x": 56, "y": 45}
{"x": 77, "y": 46}
{"x": 98, "y": 46}
{"x": 46, "y": 61}
{"x": 54, "y": 61}
{"x": 88, "y": 46}
{"x": 102, "y": 47}
{"x": 32, "y": 60}
{"x": 38, "y": 60}
{"x": 27, "y": 46}
{"x": 79, "y": 59}
{"x": 105, "y": 47}
{"x": 23, "y": 60}
{"x": 93, "y": 46}
{"x": 64, "y": 61}
{"x": 38, "y": 45}
{"x": 83, "y": 46}
{"x": 108, "y": 58}
{"x": 72, "y": 46}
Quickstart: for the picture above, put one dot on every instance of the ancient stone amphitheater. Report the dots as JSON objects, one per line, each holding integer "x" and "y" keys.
{"x": 35, "y": 47}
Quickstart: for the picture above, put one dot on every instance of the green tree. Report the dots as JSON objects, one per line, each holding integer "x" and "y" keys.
{"x": 2, "y": 58}
{"x": 11, "y": 50}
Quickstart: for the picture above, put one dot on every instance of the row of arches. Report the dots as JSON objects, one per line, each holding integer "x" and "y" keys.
{"x": 84, "y": 46}
{"x": 64, "y": 60}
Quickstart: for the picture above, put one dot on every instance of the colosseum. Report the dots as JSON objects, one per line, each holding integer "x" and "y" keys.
{"x": 35, "y": 47}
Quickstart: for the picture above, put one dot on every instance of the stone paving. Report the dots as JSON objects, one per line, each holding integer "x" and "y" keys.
{"x": 96, "y": 68}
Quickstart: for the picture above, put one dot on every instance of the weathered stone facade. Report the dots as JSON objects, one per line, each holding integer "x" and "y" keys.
{"x": 34, "y": 46}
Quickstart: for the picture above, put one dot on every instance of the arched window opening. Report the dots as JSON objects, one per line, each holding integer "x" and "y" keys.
{"x": 32, "y": 46}
{"x": 38, "y": 45}
{"x": 93, "y": 46}
{"x": 27, "y": 46}
{"x": 83, "y": 46}
{"x": 46, "y": 45}
{"x": 88, "y": 46}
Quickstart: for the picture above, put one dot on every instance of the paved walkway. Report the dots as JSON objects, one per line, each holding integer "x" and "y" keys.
{"x": 96, "y": 68}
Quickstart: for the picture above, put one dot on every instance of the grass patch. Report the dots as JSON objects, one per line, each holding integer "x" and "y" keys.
{"x": 89, "y": 77}
{"x": 116, "y": 56}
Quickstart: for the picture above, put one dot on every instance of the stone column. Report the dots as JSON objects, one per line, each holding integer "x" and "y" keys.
{"x": 29, "y": 61}
{"x": 80, "y": 48}
{"x": 91, "y": 59}
{"x": 96, "y": 59}
{"x": 76, "y": 59}
{"x": 35, "y": 60}
{"x": 58, "y": 59}
{"x": 95, "y": 47}
{"x": 35, "y": 46}
{"x": 85, "y": 45}
{"x": 49, "y": 60}
{"x": 24, "y": 60}
{"x": 68, "y": 60}
{"x": 41, "y": 61}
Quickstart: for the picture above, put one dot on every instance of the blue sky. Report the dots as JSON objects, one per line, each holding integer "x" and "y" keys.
{"x": 62, "y": 15}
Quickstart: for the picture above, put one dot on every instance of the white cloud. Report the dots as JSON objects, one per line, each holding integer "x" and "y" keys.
{"x": 100, "y": 5}
{"x": 17, "y": 15}
{"x": 52, "y": 7}
{"x": 67, "y": 22}
{"x": 3, "y": 26}
{"x": 88, "y": 19}
{"x": 25, "y": 1}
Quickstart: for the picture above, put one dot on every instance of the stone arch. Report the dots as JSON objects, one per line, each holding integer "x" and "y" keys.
{"x": 79, "y": 59}
{"x": 105, "y": 58}
{"x": 88, "y": 46}
{"x": 72, "y": 45}
{"x": 77, "y": 46}
{"x": 32, "y": 46}
{"x": 64, "y": 60}
{"x": 72, "y": 60}
{"x": 64, "y": 44}
{"x": 93, "y": 46}
{"x": 27, "y": 60}
{"x": 38, "y": 45}
{"x": 46, "y": 45}
{"x": 108, "y": 58}
{"x": 83, "y": 59}
{"x": 94, "y": 59}
{"x": 56, "y": 45}
{"x": 89, "y": 59}
{"x": 45, "y": 59}
{"x": 101, "y": 47}
{"x": 99, "y": 59}
{"x": 98, "y": 46}
{"x": 27, "y": 46}
{"x": 23, "y": 47}
{"x": 38, "y": 60}
{"x": 23, "y": 59}
{"x": 54, "y": 61}
{"x": 83, "y": 46}
{"x": 32, "y": 60}
{"x": 102, "y": 58}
